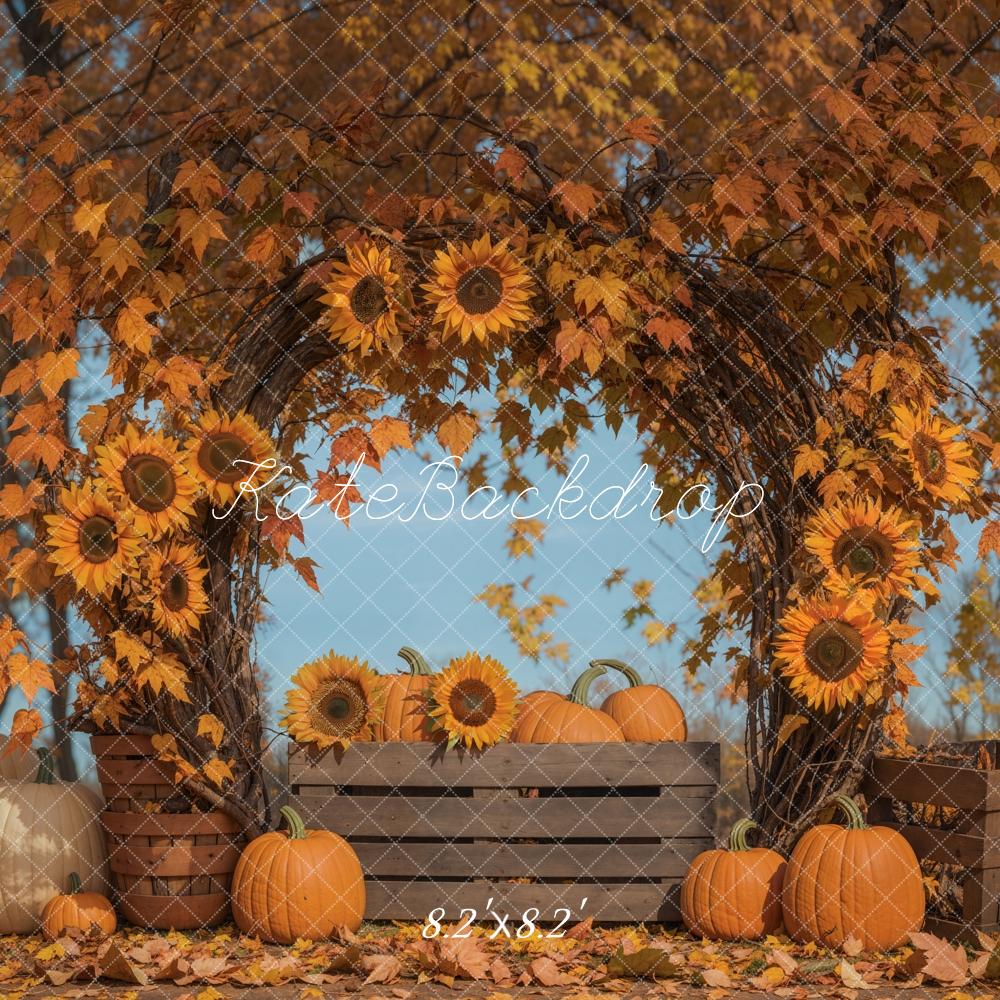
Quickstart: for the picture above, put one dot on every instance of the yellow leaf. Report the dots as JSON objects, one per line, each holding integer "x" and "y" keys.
{"x": 456, "y": 432}
{"x": 54, "y": 369}
{"x": 130, "y": 649}
{"x": 667, "y": 232}
{"x": 789, "y": 724}
{"x": 605, "y": 289}
{"x": 579, "y": 200}
{"x": 29, "y": 675}
{"x": 90, "y": 217}
{"x": 199, "y": 227}
{"x": 808, "y": 461}
{"x": 217, "y": 771}
{"x": 989, "y": 173}
{"x": 132, "y": 329}
{"x": 211, "y": 728}
{"x": 387, "y": 433}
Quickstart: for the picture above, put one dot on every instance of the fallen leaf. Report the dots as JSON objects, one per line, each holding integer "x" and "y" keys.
{"x": 852, "y": 946}
{"x": 113, "y": 963}
{"x": 717, "y": 978}
{"x": 546, "y": 972}
{"x": 652, "y": 962}
{"x": 381, "y": 968}
{"x": 852, "y": 979}
{"x": 938, "y": 959}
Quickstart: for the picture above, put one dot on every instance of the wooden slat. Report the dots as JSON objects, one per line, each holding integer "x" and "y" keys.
{"x": 532, "y": 860}
{"x": 120, "y": 774}
{"x": 178, "y": 859}
{"x": 511, "y": 765}
{"x": 122, "y": 746}
{"x": 168, "y": 824}
{"x": 400, "y": 816}
{"x": 956, "y": 930}
{"x": 174, "y": 912}
{"x": 950, "y": 848}
{"x": 625, "y": 903}
{"x": 934, "y": 784}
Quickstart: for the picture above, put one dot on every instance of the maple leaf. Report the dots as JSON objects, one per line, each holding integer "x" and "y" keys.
{"x": 514, "y": 163}
{"x": 306, "y": 568}
{"x": 938, "y": 959}
{"x": 211, "y": 728}
{"x": 579, "y": 200}
{"x": 16, "y": 501}
{"x": 456, "y": 432}
{"x": 387, "y": 433}
{"x": 130, "y": 649}
{"x": 181, "y": 375}
{"x": 989, "y": 253}
{"x": 90, "y": 218}
{"x": 353, "y": 445}
{"x": 989, "y": 173}
{"x": 54, "y": 369}
{"x": 304, "y": 202}
{"x": 117, "y": 255}
{"x": 24, "y": 729}
{"x": 200, "y": 227}
{"x": 670, "y": 331}
{"x": 646, "y": 128}
{"x": 666, "y": 231}
{"x": 281, "y": 529}
{"x": 251, "y": 186}
{"x": 29, "y": 675}
{"x": 42, "y": 445}
{"x": 132, "y": 328}
{"x": 989, "y": 540}
{"x": 607, "y": 290}
{"x": 339, "y": 491}
{"x": 201, "y": 181}
{"x": 808, "y": 461}
{"x": 218, "y": 771}
{"x": 742, "y": 191}
{"x": 381, "y": 968}
{"x": 164, "y": 672}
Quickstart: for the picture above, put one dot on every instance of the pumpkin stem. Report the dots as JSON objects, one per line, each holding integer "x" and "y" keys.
{"x": 855, "y": 821}
{"x": 46, "y": 771}
{"x": 75, "y": 885}
{"x": 631, "y": 674}
{"x": 296, "y": 828}
{"x": 580, "y": 692}
{"x": 419, "y": 667}
{"x": 738, "y": 834}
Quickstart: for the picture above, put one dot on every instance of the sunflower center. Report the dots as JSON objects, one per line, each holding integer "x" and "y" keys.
{"x": 98, "y": 539}
{"x": 219, "y": 454}
{"x": 930, "y": 458}
{"x": 862, "y": 552}
{"x": 149, "y": 483}
{"x": 480, "y": 290}
{"x": 472, "y": 702}
{"x": 368, "y": 300}
{"x": 175, "y": 589}
{"x": 340, "y": 708}
{"x": 833, "y": 650}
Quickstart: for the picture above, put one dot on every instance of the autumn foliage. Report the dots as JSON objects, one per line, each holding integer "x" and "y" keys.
{"x": 237, "y": 228}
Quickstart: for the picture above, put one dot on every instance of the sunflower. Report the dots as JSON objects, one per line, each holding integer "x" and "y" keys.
{"x": 473, "y": 701}
{"x": 335, "y": 700}
{"x": 940, "y": 464}
{"x": 143, "y": 469}
{"x": 830, "y": 651}
{"x": 176, "y": 591}
{"x": 479, "y": 290}
{"x": 223, "y": 451}
{"x": 363, "y": 311}
{"x": 861, "y": 545}
{"x": 90, "y": 541}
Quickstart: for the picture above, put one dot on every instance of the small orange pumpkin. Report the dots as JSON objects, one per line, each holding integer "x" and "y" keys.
{"x": 297, "y": 884}
{"x": 736, "y": 894}
{"x": 82, "y": 910}
{"x": 549, "y": 718}
{"x": 404, "y": 715}
{"x": 647, "y": 713}
{"x": 854, "y": 881}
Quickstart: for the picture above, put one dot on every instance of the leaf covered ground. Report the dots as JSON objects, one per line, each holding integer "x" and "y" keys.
{"x": 394, "y": 962}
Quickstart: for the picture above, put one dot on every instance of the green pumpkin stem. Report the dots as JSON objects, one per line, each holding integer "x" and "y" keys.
{"x": 580, "y": 692}
{"x": 75, "y": 885}
{"x": 631, "y": 674}
{"x": 855, "y": 821}
{"x": 738, "y": 834}
{"x": 46, "y": 768}
{"x": 419, "y": 667}
{"x": 296, "y": 828}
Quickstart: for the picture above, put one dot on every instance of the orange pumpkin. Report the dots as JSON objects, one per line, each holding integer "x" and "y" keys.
{"x": 647, "y": 713}
{"x": 736, "y": 894}
{"x": 853, "y": 881}
{"x": 82, "y": 910}
{"x": 554, "y": 719}
{"x": 404, "y": 715}
{"x": 297, "y": 884}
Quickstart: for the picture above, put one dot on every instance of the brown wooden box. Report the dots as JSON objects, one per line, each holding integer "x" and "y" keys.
{"x": 972, "y": 840}
{"x": 615, "y": 823}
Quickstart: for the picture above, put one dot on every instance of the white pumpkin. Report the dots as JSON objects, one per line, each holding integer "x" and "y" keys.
{"x": 48, "y": 829}
{"x": 17, "y": 765}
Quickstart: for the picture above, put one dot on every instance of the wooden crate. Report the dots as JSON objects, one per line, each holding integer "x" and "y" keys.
{"x": 972, "y": 840}
{"x": 521, "y": 825}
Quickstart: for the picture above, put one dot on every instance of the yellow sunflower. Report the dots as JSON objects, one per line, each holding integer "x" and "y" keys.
{"x": 176, "y": 589}
{"x": 830, "y": 651}
{"x": 335, "y": 700}
{"x": 473, "y": 701}
{"x": 940, "y": 464}
{"x": 363, "y": 309}
{"x": 860, "y": 545}
{"x": 90, "y": 540}
{"x": 223, "y": 451}
{"x": 479, "y": 290}
{"x": 143, "y": 469}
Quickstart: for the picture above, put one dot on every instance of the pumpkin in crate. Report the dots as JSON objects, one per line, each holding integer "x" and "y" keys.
{"x": 297, "y": 883}
{"x": 554, "y": 719}
{"x": 647, "y": 713}
{"x": 48, "y": 830}
{"x": 17, "y": 762}
{"x": 82, "y": 910}
{"x": 736, "y": 894}
{"x": 404, "y": 706}
{"x": 854, "y": 881}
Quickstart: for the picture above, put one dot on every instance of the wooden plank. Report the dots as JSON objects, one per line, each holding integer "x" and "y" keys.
{"x": 445, "y": 816}
{"x": 163, "y": 861}
{"x": 121, "y": 774}
{"x": 981, "y": 897}
{"x": 174, "y": 912}
{"x": 667, "y": 860}
{"x": 950, "y": 848}
{"x": 511, "y": 765}
{"x": 935, "y": 784}
{"x": 650, "y": 903}
{"x": 168, "y": 824}
{"x": 956, "y": 930}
